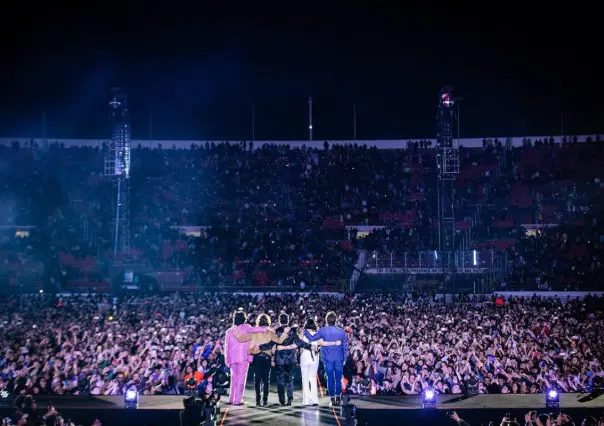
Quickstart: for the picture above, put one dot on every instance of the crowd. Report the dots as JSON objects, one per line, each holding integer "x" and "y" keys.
{"x": 29, "y": 413}
{"x": 99, "y": 345}
{"x": 277, "y": 216}
{"x": 533, "y": 419}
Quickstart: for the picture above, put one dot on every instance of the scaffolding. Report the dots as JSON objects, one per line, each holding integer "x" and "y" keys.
{"x": 447, "y": 166}
{"x": 117, "y": 170}
{"x": 447, "y": 159}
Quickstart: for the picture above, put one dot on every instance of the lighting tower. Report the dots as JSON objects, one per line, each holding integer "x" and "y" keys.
{"x": 117, "y": 169}
{"x": 447, "y": 164}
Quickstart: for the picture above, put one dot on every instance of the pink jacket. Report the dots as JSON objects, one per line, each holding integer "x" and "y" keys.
{"x": 234, "y": 350}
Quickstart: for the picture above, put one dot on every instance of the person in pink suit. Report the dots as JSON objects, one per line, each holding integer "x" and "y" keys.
{"x": 237, "y": 355}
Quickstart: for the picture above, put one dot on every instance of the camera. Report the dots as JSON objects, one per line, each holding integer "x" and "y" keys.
{"x": 364, "y": 386}
{"x": 203, "y": 409}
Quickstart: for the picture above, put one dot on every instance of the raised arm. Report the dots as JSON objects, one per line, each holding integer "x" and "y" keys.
{"x": 242, "y": 338}
{"x": 326, "y": 344}
{"x": 279, "y": 339}
{"x": 313, "y": 337}
{"x": 267, "y": 346}
{"x": 255, "y": 329}
{"x": 301, "y": 343}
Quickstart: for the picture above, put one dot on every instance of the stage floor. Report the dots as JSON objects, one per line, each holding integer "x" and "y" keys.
{"x": 370, "y": 410}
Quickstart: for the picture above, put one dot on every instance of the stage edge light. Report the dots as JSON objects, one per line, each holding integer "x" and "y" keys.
{"x": 429, "y": 398}
{"x": 131, "y": 399}
{"x": 552, "y": 398}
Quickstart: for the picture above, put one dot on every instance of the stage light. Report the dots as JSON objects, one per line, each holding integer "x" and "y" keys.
{"x": 222, "y": 381}
{"x": 552, "y": 398}
{"x": 131, "y": 398}
{"x": 429, "y": 398}
{"x": 472, "y": 387}
{"x": 191, "y": 386}
{"x": 6, "y": 399}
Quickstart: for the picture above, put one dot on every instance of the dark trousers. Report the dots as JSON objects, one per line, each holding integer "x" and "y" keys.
{"x": 285, "y": 381}
{"x": 262, "y": 372}
{"x": 333, "y": 369}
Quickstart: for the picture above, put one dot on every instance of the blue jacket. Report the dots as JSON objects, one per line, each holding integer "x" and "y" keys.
{"x": 331, "y": 334}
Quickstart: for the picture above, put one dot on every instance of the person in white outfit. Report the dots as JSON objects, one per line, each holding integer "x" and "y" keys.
{"x": 309, "y": 364}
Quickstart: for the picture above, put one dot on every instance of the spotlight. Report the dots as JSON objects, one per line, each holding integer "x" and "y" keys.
{"x": 429, "y": 398}
{"x": 552, "y": 398}
{"x": 131, "y": 398}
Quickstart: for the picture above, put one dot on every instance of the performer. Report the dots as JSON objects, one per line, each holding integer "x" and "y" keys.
{"x": 237, "y": 356}
{"x": 309, "y": 364}
{"x": 333, "y": 357}
{"x": 261, "y": 360}
{"x": 286, "y": 359}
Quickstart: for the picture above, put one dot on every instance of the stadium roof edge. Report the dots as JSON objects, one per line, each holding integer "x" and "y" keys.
{"x": 318, "y": 144}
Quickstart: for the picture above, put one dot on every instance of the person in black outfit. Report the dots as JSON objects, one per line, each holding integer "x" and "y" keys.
{"x": 262, "y": 372}
{"x": 286, "y": 360}
{"x": 262, "y": 359}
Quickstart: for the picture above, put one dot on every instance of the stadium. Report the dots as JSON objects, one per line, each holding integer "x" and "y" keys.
{"x": 171, "y": 276}
{"x": 491, "y": 288}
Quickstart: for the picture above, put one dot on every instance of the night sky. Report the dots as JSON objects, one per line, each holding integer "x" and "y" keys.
{"x": 200, "y": 75}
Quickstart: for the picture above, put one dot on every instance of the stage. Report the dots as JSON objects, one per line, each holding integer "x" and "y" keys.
{"x": 371, "y": 410}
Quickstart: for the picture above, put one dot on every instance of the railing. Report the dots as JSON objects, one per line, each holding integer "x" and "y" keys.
{"x": 434, "y": 259}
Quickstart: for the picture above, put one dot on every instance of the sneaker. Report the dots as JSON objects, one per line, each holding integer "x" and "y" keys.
{"x": 265, "y": 403}
{"x": 338, "y": 401}
{"x": 333, "y": 402}
{"x": 258, "y": 404}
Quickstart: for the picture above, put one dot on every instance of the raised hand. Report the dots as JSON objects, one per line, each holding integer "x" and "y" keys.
{"x": 455, "y": 417}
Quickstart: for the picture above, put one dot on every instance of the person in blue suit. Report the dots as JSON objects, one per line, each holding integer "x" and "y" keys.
{"x": 333, "y": 356}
